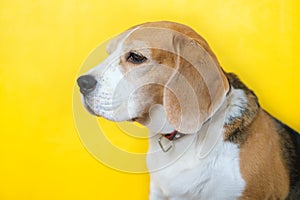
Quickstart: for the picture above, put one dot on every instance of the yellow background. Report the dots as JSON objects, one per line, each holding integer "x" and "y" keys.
{"x": 42, "y": 46}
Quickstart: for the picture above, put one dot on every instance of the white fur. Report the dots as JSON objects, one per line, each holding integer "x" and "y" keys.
{"x": 238, "y": 102}
{"x": 110, "y": 98}
{"x": 182, "y": 174}
{"x": 158, "y": 121}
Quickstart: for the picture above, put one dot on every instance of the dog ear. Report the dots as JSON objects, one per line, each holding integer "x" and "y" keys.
{"x": 198, "y": 86}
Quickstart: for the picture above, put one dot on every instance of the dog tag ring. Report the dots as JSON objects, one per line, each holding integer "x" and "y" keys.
{"x": 170, "y": 145}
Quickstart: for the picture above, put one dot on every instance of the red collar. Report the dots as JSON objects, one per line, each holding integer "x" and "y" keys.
{"x": 171, "y": 136}
{"x": 175, "y": 135}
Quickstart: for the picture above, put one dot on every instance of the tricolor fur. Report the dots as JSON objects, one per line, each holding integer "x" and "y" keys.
{"x": 165, "y": 76}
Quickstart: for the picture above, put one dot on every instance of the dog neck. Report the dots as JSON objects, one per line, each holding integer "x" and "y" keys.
{"x": 237, "y": 112}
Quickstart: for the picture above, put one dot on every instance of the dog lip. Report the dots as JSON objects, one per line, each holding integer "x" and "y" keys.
{"x": 89, "y": 109}
{"x": 133, "y": 119}
{"x": 87, "y": 91}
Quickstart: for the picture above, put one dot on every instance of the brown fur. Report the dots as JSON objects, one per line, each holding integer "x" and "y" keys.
{"x": 269, "y": 150}
{"x": 180, "y": 50}
{"x": 186, "y": 31}
{"x": 261, "y": 162}
{"x": 290, "y": 146}
{"x": 268, "y": 157}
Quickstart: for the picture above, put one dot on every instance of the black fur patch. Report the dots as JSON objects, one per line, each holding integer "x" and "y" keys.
{"x": 236, "y": 129}
{"x": 290, "y": 145}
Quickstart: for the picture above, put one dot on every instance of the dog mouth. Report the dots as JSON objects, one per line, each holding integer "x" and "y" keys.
{"x": 107, "y": 111}
{"x": 88, "y": 108}
{"x": 134, "y": 119}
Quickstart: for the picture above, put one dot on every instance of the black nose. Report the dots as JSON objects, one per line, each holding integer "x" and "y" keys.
{"x": 87, "y": 83}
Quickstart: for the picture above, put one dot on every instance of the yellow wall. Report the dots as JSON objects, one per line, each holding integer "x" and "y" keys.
{"x": 42, "y": 46}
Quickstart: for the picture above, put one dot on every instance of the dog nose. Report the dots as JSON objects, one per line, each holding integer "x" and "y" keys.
{"x": 87, "y": 83}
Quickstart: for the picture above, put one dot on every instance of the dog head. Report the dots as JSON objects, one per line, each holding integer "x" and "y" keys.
{"x": 157, "y": 63}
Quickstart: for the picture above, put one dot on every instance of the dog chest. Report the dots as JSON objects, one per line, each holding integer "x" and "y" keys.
{"x": 216, "y": 176}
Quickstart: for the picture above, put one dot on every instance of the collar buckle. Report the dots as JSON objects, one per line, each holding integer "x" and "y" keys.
{"x": 175, "y": 135}
{"x": 169, "y": 147}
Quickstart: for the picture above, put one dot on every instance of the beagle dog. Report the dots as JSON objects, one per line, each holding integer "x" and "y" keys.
{"x": 209, "y": 138}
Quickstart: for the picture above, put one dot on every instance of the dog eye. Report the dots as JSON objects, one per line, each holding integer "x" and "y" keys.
{"x": 136, "y": 58}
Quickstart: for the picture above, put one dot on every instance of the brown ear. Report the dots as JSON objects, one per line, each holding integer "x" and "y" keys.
{"x": 197, "y": 88}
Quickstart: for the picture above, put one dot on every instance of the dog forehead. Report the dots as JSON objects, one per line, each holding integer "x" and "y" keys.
{"x": 161, "y": 35}
{"x": 171, "y": 26}
{"x": 149, "y": 37}
{"x": 157, "y": 33}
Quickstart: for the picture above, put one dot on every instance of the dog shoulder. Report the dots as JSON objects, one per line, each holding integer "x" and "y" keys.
{"x": 243, "y": 107}
{"x": 267, "y": 146}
